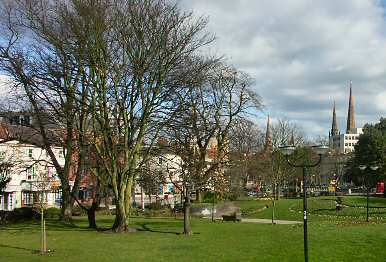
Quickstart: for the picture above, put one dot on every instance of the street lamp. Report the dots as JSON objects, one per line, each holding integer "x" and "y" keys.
{"x": 319, "y": 150}
{"x": 363, "y": 168}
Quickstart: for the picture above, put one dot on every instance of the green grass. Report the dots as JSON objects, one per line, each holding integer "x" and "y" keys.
{"x": 159, "y": 239}
{"x": 255, "y": 209}
{"x": 318, "y": 208}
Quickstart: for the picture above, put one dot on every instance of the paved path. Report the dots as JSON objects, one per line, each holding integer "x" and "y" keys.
{"x": 269, "y": 221}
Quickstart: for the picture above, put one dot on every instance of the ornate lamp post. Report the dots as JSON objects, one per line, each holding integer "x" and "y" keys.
{"x": 363, "y": 168}
{"x": 287, "y": 151}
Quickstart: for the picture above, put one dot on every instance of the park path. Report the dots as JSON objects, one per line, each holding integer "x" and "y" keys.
{"x": 269, "y": 221}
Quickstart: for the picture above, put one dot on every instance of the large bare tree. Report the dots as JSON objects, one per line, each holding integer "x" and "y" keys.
{"x": 199, "y": 135}
{"x": 136, "y": 63}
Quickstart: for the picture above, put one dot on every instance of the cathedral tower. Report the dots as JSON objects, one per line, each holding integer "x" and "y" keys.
{"x": 351, "y": 113}
{"x": 268, "y": 137}
{"x": 334, "y": 127}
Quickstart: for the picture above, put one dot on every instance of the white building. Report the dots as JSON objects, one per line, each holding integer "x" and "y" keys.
{"x": 31, "y": 172}
{"x": 345, "y": 143}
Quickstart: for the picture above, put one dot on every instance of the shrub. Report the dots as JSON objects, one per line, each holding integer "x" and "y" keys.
{"x": 18, "y": 215}
{"x": 52, "y": 213}
{"x": 208, "y": 197}
{"x": 154, "y": 206}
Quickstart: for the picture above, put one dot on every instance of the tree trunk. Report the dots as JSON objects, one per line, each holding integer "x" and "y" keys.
{"x": 91, "y": 215}
{"x": 187, "y": 228}
{"x": 123, "y": 203}
{"x": 198, "y": 195}
{"x": 120, "y": 223}
{"x": 66, "y": 207}
{"x": 96, "y": 200}
{"x": 43, "y": 247}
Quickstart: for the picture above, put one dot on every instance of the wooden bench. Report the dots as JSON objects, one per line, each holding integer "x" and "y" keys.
{"x": 233, "y": 217}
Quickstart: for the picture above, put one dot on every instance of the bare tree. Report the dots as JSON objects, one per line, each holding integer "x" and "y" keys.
{"x": 135, "y": 65}
{"x": 245, "y": 140}
{"x": 284, "y": 132}
{"x": 200, "y": 133}
{"x": 39, "y": 54}
{"x": 42, "y": 185}
{"x": 152, "y": 176}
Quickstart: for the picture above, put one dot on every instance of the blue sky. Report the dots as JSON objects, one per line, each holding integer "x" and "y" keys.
{"x": 303, "y": 54}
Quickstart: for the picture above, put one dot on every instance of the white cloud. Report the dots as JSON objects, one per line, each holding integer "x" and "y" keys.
{"x": 303, "y": 54}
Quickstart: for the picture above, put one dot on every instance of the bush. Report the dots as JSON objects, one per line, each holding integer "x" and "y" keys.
{"x": 154, "y": 206}
{"x": 52, "y": 213}
{"x": 18, "y": 215}
{"x": 208, "y": 197}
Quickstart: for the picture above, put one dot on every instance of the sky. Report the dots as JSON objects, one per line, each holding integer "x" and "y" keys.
{"x": 302, "y": 55}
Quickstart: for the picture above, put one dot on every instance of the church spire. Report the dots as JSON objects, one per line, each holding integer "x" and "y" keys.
{"x": 334, "y": 127}
{"x": 351, "y": 113}
{"x": 268, "y": 137}
{"x": 292, "y": 139}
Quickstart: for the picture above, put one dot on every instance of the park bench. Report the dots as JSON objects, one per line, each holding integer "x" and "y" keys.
{"x": 233, "y": 217}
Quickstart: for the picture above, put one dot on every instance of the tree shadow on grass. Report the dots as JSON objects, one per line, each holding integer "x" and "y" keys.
{"x": 19, "y": 248}
{"x": 145, "y": 227}
{"x": 52, "y": 225}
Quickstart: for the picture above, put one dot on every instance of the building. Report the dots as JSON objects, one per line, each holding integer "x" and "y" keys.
{"x": 344, "y": 143}
{"x": 27, "y": 118}
{"x": 29, "y": 169}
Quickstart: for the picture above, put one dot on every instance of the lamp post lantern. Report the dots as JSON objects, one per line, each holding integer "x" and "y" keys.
{"x": 363, "y": 168}
{"x": 319, "y": 150}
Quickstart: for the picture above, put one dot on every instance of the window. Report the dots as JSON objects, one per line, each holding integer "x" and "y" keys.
{"x": 10, "y": 201}
{"x": 31, "y": 173}
{"x": 58, "y": 196}
{"x": 27, "y": 198}
{"x": 26, "y": 121}
{"x": 61, "y": 153}
{"x": 30, "y": 152}
{"x": 15, "y": 120}
{"x": 2, "y": 155}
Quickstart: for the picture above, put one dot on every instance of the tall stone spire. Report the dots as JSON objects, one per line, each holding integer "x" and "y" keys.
{"x": 351, "y": 113}
{"x": 292, "y": 139}
{"x": 334, "y": 127}
{"x": 268, "y": 137}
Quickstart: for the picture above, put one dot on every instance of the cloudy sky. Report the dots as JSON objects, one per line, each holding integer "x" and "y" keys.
{"x": 303, "y": 54}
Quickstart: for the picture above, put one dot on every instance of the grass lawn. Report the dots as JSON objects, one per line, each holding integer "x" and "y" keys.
{"x": 160, "y": 240}
{"x": 318, "y": 208}
{"x": 339, "y": 238}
